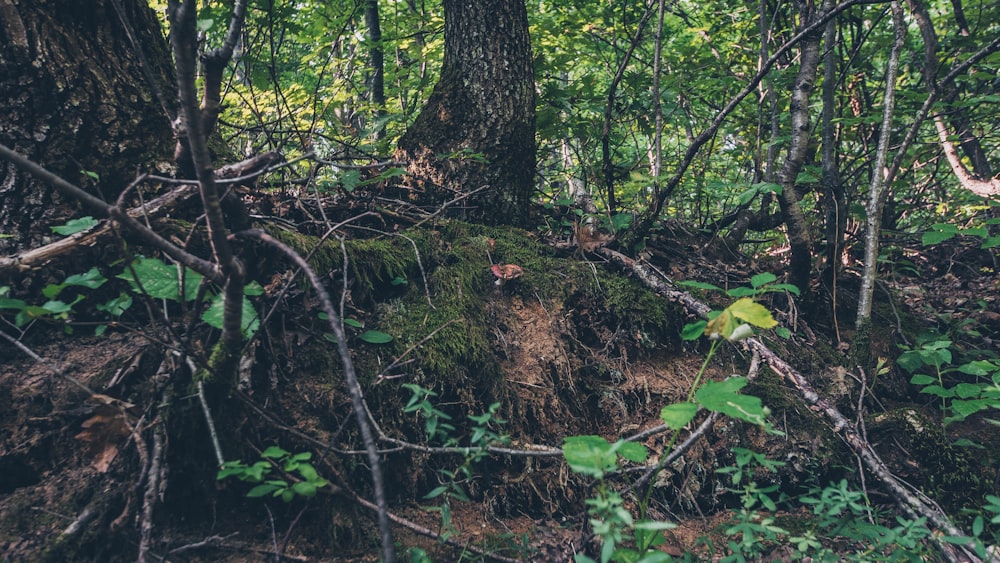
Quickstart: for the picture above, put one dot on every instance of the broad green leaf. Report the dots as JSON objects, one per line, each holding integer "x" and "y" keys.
{"x": 353, "y": 323}
{"x": 253, "y": 289}
{"x": 741, "y": 292}
{"x": 751, "y": 312}
{"x": 57, "y": 307}
{"x": 91, "y": 279}
{"x": 762, "y": 279}
{"x": 678, "y": 415}
{"x": 9, "y": 303}
{"x": 589, "y": 455}
{"x": 723, "y": 397}
{"x": 693, "y": 331}
{"x": 262, "y": 490}
{"x": 621, "y": 221}
{"x": 968, "y": 390}
{"x": 117, "y": 306}
{"x": 767, "y": 187}
{"x": 274, "y": 452}
{"x": 746, "y": 196}
{"x": 249, "y": 321}
{"x": 160, "y": 280}
{"x": 74, "y": 226}
{"x": 633, "y": 451}
{"x": 350, "y": 180}
{"x": 305, "y": 488}
{"x": 938, "y": 391}
{"x": 375, "y": 337}
{"x": 922, "y": 379}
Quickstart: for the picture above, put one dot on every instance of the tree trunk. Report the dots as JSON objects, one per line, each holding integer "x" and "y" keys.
{"x": 477, "y": 130}
{"x": 799, "y": 238}
{"x": 76, "y": 99}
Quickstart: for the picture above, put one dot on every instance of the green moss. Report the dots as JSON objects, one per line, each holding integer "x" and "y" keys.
{"x": 456, "y": 261}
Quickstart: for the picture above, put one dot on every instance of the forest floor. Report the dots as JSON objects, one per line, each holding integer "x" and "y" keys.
{"x": 573, "y": 347}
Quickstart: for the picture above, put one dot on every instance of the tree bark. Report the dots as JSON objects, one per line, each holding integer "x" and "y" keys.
{"x": 76, "y": 98}
{"x": 799, "y": 237}
{"x": 478, "y": 127}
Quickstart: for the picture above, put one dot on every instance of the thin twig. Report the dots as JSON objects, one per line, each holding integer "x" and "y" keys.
{"x": 353, "y": 387}
{"x": 210, "y": 423}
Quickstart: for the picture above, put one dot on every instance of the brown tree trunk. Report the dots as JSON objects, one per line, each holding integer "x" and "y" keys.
{"x": 799, "y": 237}
{"x": 75, "y": 98}
{"x": 477, "y": 130}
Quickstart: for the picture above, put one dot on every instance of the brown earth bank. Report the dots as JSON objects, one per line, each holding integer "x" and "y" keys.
{"x": 104, "y": 444}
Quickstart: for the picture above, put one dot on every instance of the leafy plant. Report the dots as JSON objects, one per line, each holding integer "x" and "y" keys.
{"x": 306, "y": 481}
{"x": 978, "y": 386}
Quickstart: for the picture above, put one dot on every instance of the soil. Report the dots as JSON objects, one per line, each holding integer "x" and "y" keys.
{"x": 565, "y": 358}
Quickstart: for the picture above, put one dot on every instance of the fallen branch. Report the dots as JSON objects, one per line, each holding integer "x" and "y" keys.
{"x": 38, "y": 257}
{"x": 837, "y": 422}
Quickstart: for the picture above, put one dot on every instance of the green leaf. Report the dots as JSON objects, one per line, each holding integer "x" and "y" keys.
{"x": 249, "y": 321}
{"x": 350, "y": 180}
{"x": 589, "y": 455}
{"x": 117, "y": 306}
{"x": 968, "y": 390}
{"x": 305, "y": 488}
{"x": 767, "y": 187}
{"x": 263, "y": 489}
{"x": 275, "y": 452}
{"x": 790, "y": 288}
{"x": 621, "y": 221}
{"x": 922, "y": 379}
{"x": 57, "y": 307}
{"x": 159, "y": 280}
{"x": 762, "y": 279}
{"x": 656, "y": 557}
{"x": 632, "y": 451}
{"x": 723, "y": 397}
{"x": 253, "y": 289}
{"x": 375, "y": 337}
{"x": 678, "y": 415}
{"x": 8, "y": 303}
{"x": 399, "y": 281}
{"x": 747, "y": 196}
{"x": 74, "y": 226}
{"x": 693, "y": 331}
{"x": 806, "y": 178}
{"x": 354, "y": 323}
{"x": 934, "y": 237}
{"x": 751, "y": 312}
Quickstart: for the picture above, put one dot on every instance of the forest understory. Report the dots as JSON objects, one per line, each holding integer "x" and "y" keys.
{"x": 573, "y": 345}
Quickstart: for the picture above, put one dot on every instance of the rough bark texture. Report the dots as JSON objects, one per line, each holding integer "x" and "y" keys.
{"x": 799, "y": 237}
{"x": 483, "y": 104}
{"x": 75, "y": 98}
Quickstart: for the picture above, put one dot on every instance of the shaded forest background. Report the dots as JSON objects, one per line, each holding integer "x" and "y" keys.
{"x": 499, "y": 281}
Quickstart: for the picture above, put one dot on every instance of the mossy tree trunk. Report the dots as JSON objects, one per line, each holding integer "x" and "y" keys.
{"x": 477, "y": 130}
{"x": 75, "y": 98}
